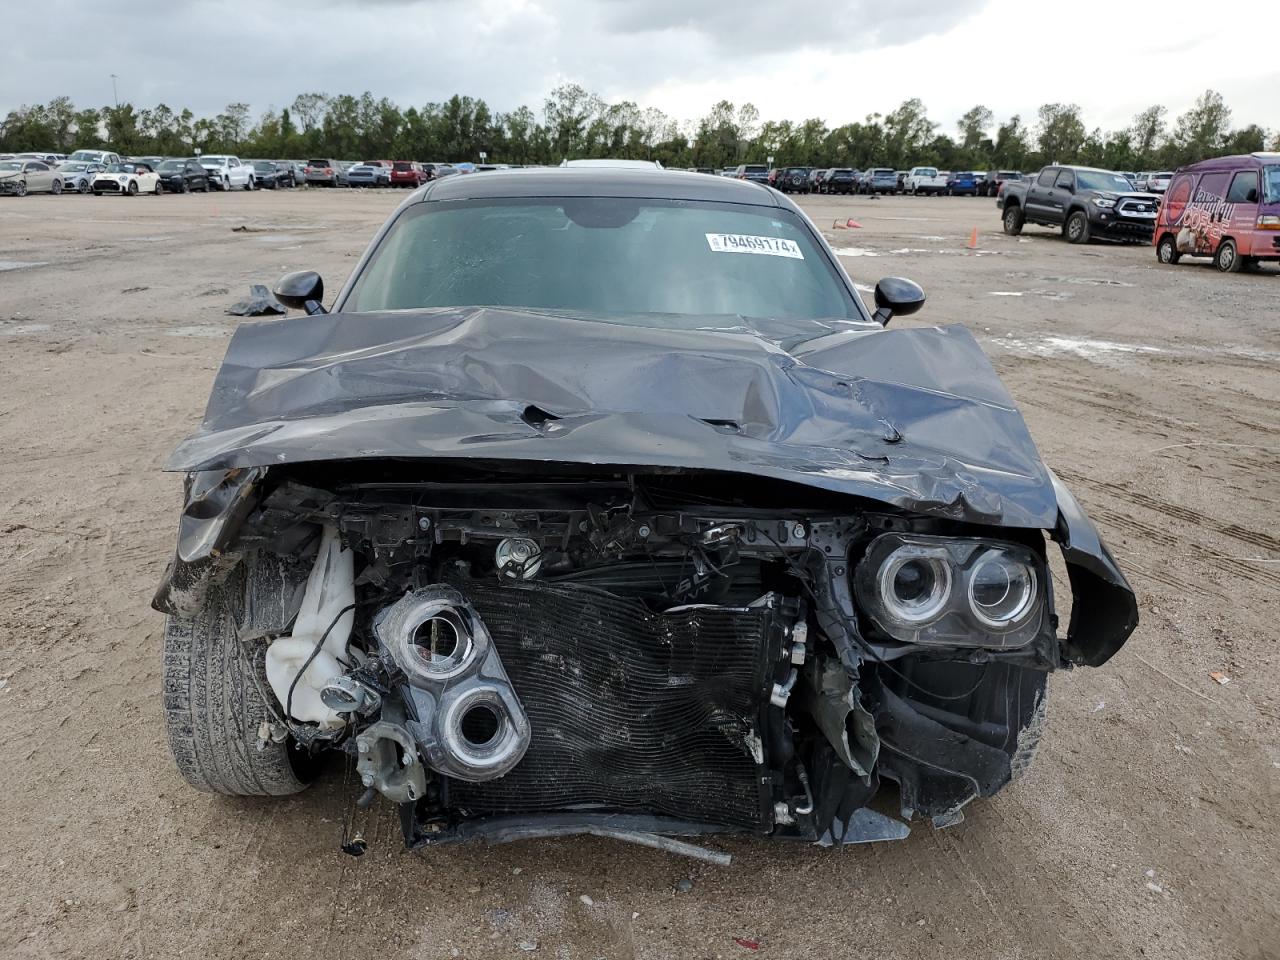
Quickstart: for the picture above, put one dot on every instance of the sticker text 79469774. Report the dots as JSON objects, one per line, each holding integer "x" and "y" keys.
{"x": 741, "y": 243}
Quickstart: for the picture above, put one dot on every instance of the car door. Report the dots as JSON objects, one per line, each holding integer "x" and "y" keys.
{"x": 39, "y": 176}
{"x": 1040, "y": 194}
{"x": 1242, "y": 200}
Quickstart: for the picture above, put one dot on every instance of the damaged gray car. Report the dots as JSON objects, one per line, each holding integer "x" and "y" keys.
{"x": 600, "y": 504}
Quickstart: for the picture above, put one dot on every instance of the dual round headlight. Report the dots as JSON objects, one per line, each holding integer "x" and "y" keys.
{"x": 960, "y": 592}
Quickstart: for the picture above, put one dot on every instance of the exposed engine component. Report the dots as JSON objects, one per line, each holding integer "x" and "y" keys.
{"x": 518, "y": 559}
{"x": 465, "y": 715}
{"x": 387, "y": 759}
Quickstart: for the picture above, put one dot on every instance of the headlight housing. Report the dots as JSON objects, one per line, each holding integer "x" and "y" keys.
{"x": 1103, "y": 202}
{"x": 952, "y": 591}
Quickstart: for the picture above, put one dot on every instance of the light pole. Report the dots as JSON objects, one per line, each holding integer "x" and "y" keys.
{"x": 114, "y": 94}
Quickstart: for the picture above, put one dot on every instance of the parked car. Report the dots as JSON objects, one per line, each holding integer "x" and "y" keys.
{"x": 925, "y": 180}
{"x": 839, "y": 180}
{"x": 815, "y": 179}
{"x": 996, "y": 180}
{"x": 729, "y": 172}
{"x": 227, "y": 173}
{"x": 902, "y": 180}
{"x": 77, "y": 175}
{"x": 964, "y": 184}
{"x": 51, "y": 159}
{"x": 1159, "y": 182}
{"x": 103, "y": 157}
{"x": 757, "y": 172}
{"x": 128, "y": 178}
{"x": 21, "y": 177}
{"x": 1140, "y": 181}
{"x": 774, "y": 622}
{"x": 1227, "y": 208}
{"x": 880, "y": 180}
{"x": 434, "y": 171}
{"x": 364, "y": 175}
{"x": 1082, "y": 201}
{"x": 793, "y": 180}
{"x": 183, "y": 176}
{"x": 266, "y": 174}
{"x": 407, "y": 173}
{"x": 322, "y": 173}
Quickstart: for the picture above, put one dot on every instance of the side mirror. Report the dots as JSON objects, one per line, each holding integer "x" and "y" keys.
{"x": 302, "y": 291}
{"x": 897, "y": 296}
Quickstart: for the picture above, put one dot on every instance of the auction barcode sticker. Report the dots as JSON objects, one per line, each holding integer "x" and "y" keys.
{"x": 740, "y": 243}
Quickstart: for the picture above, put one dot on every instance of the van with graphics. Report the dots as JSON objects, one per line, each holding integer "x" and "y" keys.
{"x": 1227, "y": 208}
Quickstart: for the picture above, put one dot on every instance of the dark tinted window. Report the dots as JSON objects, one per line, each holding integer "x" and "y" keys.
{"x": 604, "y": 256}
{"x": 401, "y": 165}
{"x": 1244, "y": 188}
{"x": 1046, "y": 176}
{"x": 320, "y": 163}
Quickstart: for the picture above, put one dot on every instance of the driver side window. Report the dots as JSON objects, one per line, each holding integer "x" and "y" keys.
{"x": 1066, "y": 181}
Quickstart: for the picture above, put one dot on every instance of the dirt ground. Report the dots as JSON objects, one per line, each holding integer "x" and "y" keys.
{"x": 1150, "y": 826}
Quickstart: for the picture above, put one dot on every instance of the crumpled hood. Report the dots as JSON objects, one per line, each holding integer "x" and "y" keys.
{"x": 916, "y": 418}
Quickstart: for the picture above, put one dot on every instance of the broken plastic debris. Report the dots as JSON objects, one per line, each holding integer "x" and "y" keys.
{"x": 259, "y": 303}
{"x": 749, "y": 944}
{"x": 528, "y": 946}
{"x": 684, "y": 886}
{"x": 1220, "y": 678}
{"x": 587, "y": 901}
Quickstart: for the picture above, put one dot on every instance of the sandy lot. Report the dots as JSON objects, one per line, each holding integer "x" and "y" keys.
{"x": 1149, "y": 827}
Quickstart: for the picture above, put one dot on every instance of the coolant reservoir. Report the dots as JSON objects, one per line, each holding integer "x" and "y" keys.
{"x": 330, "y": 588}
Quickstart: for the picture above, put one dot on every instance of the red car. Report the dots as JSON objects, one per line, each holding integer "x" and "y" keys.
{"x": 406, "y": 173}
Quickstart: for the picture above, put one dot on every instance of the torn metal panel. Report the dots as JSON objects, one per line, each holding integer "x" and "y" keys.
{"x": 915, "y": 418}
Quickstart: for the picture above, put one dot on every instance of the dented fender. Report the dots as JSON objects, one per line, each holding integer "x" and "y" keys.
{"x": 1104, "y": 610}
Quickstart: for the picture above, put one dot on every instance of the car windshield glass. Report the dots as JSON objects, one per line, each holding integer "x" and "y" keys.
{"x": 213, "y": 161}
{"x": 10, "y": 165}
{"x": 169, "y": 166}
{"x": 263, "y": 165}
{"x": 73, "y": 167}
{"x": 1098, "y": 180}
{"x": 319, "y": 163}
{"x": 754, "y": 168}
{"x": 401, "y": 166}
{"x": 625, "y": 257}
{"x": 120, "y": 168}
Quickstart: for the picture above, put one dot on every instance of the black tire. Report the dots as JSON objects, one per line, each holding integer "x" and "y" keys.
{"x": 186, "y": 185}
{"x": 21, "y": 188}
{"x": 1228, "y": 259}
{"x": 1167, "y": 250}
{"x": 159, "y": 188}
{"x": 1077, "y": 229}
{"x": 1013, "y": 219}
{"x": 57, "y": 187}
{"x": 84, "y": 186}
{"x": 133, "y": 188}
{"x": 214, "y": 708}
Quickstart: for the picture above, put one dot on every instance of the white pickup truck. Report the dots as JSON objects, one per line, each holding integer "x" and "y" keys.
{"x": 228, "y": 172}
{"x": 925, "y": 180}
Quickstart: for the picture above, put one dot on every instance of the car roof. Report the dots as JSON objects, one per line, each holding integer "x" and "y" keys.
{"x": 602, "y": 182}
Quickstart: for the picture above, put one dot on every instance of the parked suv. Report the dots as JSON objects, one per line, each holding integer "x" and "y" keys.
{"x": 322, "y": 172}
{"x": 840, "y": 180}
{"x": 995, "y": 181}
{"x": 963, "y": 184}
{"x": 880, "y": 180}
{"x": 406, "y": 173}
{"x": 1084, "y": 202}
{"x": 1159, "y": 182}
{"x": 792, "y": 179}
{"x": 752, "y": 171}
{"x": 1227, "y": 208}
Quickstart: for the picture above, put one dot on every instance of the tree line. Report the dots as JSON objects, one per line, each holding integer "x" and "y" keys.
{"x": 575, "y": 123}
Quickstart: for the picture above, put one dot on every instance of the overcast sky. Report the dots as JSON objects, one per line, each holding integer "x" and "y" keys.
{"x": 837, "y": 60}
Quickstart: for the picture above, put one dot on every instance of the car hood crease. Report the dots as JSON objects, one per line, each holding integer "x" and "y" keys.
{"x": 915, "y": 418}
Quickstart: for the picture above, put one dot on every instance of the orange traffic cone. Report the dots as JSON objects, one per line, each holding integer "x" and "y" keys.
{"x": 837, "y": 225}
{"x": 973, "y": 240}
{"x": 853, "y": 223}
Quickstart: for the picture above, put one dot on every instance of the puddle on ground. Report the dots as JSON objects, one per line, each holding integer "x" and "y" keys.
{"x": 207, "y": 332}
{"x": 22, "y": 264}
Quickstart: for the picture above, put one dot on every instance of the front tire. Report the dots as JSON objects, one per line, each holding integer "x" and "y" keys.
{"x": 84, "y": 186}
{"x": 1014, "y": 220}
{"x": 133, "y": 188}
{"x": 1228, "y": 259}
{"x": 214, "y": 706}
{"x": 1167, "y": 250}
{"x": 21, "y": 189}
{"x": 1077, "y": 227}
{"x": 57, "y": 187}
